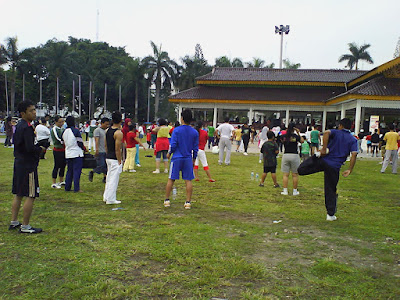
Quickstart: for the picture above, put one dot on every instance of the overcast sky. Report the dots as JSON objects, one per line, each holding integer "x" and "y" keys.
{"x": 320, "y": 29}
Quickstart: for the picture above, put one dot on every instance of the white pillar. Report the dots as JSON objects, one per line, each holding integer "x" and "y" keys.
{"x": 287, "y": 117}
{"x": 324, "y": 120}
{"x": 251, "y": 115}
{"x": 357, "y": 118}
{"x": 215, "y": 117}
{"x": 342, "y": 112}
{"x": 178, "y": 117}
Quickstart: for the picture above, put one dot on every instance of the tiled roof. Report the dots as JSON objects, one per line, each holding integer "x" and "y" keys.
{"x": 258, "y": 93}
{"x": 264, "y": 74}
{"x": 378, "y": 87}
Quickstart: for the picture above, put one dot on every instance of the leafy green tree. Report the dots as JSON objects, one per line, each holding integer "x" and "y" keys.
{"x": 133, "y": 79}
{"x": 289, "y": 65}
{"x": 12, "y": 56}
{"x": 397, "y": 50}
{"x": 223, "y": 61}
{"x": 356, "y": 54}
{"x": 237, "y": 63}
{"x": 161, "y": 70}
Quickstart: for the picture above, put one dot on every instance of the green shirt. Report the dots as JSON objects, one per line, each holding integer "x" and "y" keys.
{"x": 57, "y": 140}
{"x": 305, "y": 148}
{"x": 315, "y": 136}
{"x": 211, "y": 131}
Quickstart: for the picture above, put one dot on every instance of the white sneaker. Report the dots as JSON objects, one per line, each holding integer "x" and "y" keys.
{"x": 285, "y": 193}
{"x": 56, "y": 186}
{"x": 113, "y": 202}
{"x": 138, "y": 165}
{"x": 156, "y": 172}
{"x": 167, "y": 203}
{"x": 331, "y": 218}
{"x": 132, "y": 171}
{"x": 295, "y": 193}
{"x": 166, "y": 171}
{"x": 245, "y": 153}
{"x": 260, "y": 161}
{"x": 62, "y": 183}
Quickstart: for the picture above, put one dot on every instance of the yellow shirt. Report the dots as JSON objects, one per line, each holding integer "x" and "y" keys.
{"x": 238, "y": 134}
{"x": 391, "y": 139}
{"x": 163, "y": 132}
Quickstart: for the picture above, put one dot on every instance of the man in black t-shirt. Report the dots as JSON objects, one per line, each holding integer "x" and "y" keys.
{"x": 246, "y": 131}
{"x": 25, "y": 180}
{"x": 269, "y": 150}
{"x": 375, "y": 143}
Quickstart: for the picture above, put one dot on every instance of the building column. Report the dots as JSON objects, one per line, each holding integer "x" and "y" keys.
{"x": 324, "y": 119}
{"x": 178, "y": 117}
{"x": 220, "y": 117}
{"x": 215, "y": 116}
{"x": 357, "y": 118}
{"x": 342, "y": 112}
{"x": 250, "y": 115}
{"x": 362, "y": 117}
{"x": 287, "y": 118}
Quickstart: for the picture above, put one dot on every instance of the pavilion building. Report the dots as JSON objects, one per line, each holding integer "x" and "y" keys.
{"x": 296, "y": 93}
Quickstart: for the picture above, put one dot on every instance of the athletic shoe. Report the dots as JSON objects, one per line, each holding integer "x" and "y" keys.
{"x": 197, "y": 179}
{"x": 113, "y": 202}
{"x": 156, "y": 172}
{"x": 261, "y": 184}
{"x": 245, "y": 153}
{"x": 226, "y": 164}
{"x": 276, "y": 186}
{"x": 138, "y": 165}
{"x": 167, "y": 203}
{"x": 296, "y": 193}
{"x": 331, "y": 218}
{"x": 56, "y": 186}
{"x": 62, "y": 183}
{"x": 211, "y": 180}
{"x": 132, "y": 171}
{"x": 104, "y": 179}
{"x": 187, "y": 205}
{"x": 11, "y": 227}
{"x": 166, "y": 171}
{"x": 30, "y": 230}
{"x": 91, "y": 176}
{"x": 284, "y": 193}
{"x": 260, "y": 161}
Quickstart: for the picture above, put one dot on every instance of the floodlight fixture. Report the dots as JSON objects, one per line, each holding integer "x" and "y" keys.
{"x": 281, "y": 30}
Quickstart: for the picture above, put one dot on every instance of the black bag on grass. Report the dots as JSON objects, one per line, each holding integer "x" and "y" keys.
{"x": 89, "y": 161}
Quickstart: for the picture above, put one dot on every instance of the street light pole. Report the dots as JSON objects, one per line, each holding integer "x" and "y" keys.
{"x": 80, "y": 102}
{"x": 148, "y": 105}
{"x": 281, "y": 30}
{"x": 5, "y": 79}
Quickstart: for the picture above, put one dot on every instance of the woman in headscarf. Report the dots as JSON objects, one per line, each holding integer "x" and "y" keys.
{"x": 263, "y": 138}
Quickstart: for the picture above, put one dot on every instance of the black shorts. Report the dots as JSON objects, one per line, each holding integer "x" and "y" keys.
{"x": 270, "y": 169}
{"x": 25, "y": 181}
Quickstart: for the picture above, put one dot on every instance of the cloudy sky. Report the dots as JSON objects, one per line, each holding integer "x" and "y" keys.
{"x": 320, "y": 30}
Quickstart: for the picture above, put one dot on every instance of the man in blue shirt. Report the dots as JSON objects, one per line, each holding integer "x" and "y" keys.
{"x": 337, "y": 145}
{"x": 184, "y": 145}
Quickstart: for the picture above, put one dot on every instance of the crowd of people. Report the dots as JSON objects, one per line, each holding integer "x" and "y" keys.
{"x": 116, "y": 143}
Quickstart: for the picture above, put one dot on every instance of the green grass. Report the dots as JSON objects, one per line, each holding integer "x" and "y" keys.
{"x": 226, "y": 246}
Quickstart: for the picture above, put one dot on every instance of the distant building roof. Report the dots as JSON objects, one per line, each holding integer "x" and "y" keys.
{"x": 278, "y": 75}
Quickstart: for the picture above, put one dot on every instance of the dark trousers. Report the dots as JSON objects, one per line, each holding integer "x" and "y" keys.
{"x": 246, "y": 144}
{"x": 101, "y": 164}
{"x": 73, "y": 173}
{"x": 59, "y": 164}
{"x": 45, "y": 143}
{"x": 210, "y": 141}
{"x": 331, "y": 179}
{"x": 7, "y": 141}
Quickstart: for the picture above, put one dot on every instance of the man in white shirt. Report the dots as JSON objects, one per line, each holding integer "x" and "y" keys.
{"x": 42, "y": 136}
{"x": 225, "y": 132}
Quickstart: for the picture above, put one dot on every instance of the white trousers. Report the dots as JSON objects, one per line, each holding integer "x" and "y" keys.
{"x": 201, "y": 155}
{"x": 92, "y": 144}
{"x": 114, "y": 169}
{"x": 390, "y": 154}
{"x": 225, "y": 142}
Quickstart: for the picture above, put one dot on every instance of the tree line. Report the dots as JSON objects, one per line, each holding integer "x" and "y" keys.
{"x": 105, "y": 71}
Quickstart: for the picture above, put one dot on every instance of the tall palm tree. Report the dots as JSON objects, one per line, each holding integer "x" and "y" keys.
{"x": 256, "y": 63}
{"x": 357, "y": 54}
{"x": 161, "y": 70}
{"x": 11, "y": 54}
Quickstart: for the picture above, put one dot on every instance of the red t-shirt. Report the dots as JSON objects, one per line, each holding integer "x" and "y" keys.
{"x": 203, "y": 138}
{"x": 130, "y": 139}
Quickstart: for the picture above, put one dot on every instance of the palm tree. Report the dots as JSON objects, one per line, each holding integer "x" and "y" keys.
{"x": 357, "y": 53}
{"x": 289, "y": 65}
{"x": 11, "y": 55}
{"x": 256, "y": 63}
{"x": 161, "y": 70}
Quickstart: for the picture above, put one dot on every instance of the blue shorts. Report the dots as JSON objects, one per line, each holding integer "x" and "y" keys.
{"x": 181, "y": 165}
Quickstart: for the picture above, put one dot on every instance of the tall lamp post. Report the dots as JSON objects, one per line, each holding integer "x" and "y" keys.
{"x": 281, "y": 30}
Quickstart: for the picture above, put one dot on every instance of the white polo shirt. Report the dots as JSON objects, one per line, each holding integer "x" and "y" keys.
{"x": 225, "y": 130}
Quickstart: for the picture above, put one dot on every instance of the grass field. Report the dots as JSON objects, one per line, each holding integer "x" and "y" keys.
{"x": 226, "y": 246}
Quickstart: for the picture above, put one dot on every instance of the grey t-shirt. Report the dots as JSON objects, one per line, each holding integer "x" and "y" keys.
{"x": 101, "y": 134}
